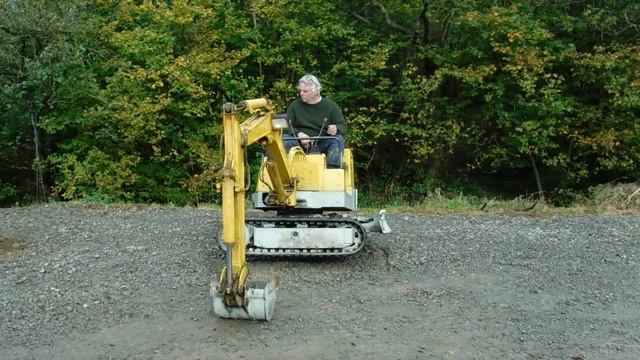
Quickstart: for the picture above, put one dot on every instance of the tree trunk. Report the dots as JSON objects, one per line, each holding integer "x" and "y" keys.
{"x": 537, "y": 175}
{"x": 40, "y": 189}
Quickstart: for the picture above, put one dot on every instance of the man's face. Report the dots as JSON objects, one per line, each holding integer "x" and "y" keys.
{"x": 307, "y": 94}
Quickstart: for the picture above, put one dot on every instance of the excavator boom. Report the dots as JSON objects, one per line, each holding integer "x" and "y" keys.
{"x": 233, "y": 296}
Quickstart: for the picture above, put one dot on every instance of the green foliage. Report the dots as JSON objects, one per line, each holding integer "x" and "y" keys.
{"x": 43, "y": 80}
{"x": 154, "y": 108}
{"x": 493, "y": 88}
{"x": 7, "y": 193}
{"x": 118, "y": 100}
{"x": 607, "y": 134}
{"x": 95, "y": 173}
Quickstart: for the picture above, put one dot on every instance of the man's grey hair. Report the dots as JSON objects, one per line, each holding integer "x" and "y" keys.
{"x": 312, "y": 81}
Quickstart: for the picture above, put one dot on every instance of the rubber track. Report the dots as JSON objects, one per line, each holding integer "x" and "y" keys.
{"x": 312, "y": 222}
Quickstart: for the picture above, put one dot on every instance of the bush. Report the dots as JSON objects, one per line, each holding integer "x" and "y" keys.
{"x": 611, "y": 197}
{"x": 8, "y": 193}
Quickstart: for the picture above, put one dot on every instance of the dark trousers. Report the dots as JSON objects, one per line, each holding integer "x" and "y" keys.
{"x": 332, "y": 147}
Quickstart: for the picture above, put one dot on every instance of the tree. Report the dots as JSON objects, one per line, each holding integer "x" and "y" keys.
{"x": 147, "y": 137}
{"x": 122, "y": 97}
{"x": 42, "y": 63}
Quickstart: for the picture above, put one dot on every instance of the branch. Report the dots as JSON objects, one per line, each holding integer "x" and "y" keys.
{"x": 447, "y": 25}
{"x": 630, "y": 25}
{"x": 538, "y": 5}
{"x": 424, "y": 16}
{"x": 361, "y": 18}
{"x": 632, "y": 195}
{"x": 10, "y": 72}
{"x": 373, "y": 155}
{"x": 8, "y": 31}
{"x": 388, "y": 20}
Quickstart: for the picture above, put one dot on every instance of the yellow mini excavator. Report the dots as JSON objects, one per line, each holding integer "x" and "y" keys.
{"x": 299, "y": 189}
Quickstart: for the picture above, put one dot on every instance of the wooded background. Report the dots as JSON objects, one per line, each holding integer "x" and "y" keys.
{"x": 120, "y": 100}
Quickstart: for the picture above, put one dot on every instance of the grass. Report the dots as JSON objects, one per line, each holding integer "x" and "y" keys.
{"x": 608, "y": 198}
{"x": 616, "y": 197}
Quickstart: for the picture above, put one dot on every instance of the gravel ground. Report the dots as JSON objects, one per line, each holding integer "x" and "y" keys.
{"x": 132, "y": 283}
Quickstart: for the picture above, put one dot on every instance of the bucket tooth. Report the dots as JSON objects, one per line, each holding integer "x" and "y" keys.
{"x": 259, "y": 302}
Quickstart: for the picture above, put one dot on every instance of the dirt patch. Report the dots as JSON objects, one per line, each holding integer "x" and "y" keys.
{"x": 8, "y": 246}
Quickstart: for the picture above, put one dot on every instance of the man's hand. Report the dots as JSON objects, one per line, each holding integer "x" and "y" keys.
{"x": 332, "y": 130}
{"x": 304, "y": 142}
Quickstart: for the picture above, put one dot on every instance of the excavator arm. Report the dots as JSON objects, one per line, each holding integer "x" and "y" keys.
{"x": 263, "y": 127}
{"x": 233, "y": 297}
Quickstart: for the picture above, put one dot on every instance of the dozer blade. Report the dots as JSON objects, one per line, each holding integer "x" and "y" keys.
{"x": 377, "y": 224}
{"x": 259, "y": 301}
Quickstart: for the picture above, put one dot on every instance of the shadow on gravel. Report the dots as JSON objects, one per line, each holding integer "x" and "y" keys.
{"x": 369, "y": 255}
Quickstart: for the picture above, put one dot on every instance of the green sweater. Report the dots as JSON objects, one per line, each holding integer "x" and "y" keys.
{"x": 309, "y": 118}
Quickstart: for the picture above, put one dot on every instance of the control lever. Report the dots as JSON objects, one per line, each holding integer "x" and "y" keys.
{"x": 324, "y": 123}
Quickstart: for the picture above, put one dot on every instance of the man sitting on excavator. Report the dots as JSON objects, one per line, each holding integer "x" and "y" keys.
{"x": 312, "y": 115}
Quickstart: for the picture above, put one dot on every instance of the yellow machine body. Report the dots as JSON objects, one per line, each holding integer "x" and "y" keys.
{"x": 312, "y": 173}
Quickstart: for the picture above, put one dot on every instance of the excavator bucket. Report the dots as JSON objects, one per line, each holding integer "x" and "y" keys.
{"x": 259, "y": 301}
